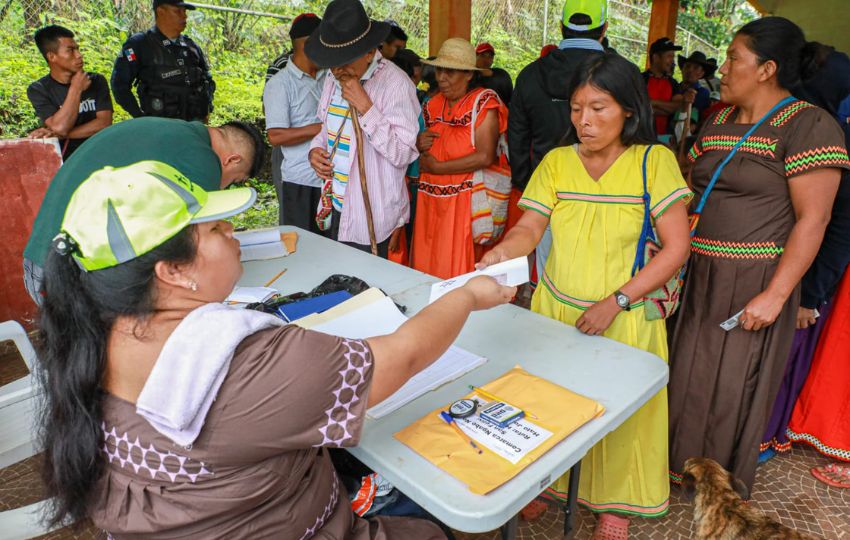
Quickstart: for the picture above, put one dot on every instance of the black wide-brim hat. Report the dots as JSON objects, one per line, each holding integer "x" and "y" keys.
{"x": 345, "y": 34}
{"x": 697, "y": 57}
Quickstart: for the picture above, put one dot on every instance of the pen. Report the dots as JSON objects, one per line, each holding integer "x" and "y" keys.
{"x": 451, "y": 421}
{"x": 272, "y": 280}
{"x": 488, "y": 395}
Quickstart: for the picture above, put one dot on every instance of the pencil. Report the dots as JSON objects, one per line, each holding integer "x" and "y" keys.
{"x": 272, "y": 280}
{"x": 450, "y": 421}
{"x": 488, "y": 395}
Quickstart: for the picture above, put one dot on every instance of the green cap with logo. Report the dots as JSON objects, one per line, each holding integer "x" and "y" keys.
{"x": 118, "y": 214}
{"x": 597, "y": 10}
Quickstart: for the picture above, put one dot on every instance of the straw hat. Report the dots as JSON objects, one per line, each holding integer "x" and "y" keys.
{"x": 455, "y": 53}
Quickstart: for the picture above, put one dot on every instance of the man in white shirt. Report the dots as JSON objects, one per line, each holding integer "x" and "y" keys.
{"x": 291, "y": 99}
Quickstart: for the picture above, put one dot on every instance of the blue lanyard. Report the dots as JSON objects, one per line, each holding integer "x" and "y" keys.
{"x": 646, "y": 230}
{"x": 723, "y": 163}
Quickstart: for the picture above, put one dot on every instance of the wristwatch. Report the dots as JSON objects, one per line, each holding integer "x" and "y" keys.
{"x": 623, "y": 301}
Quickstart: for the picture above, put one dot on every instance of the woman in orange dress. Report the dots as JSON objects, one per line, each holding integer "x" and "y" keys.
{"x": 443, "y": 243}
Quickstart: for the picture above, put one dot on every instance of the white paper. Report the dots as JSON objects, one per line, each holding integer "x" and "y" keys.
{"x": 382, "y": 317}
{"x": 512, "y": 443}
{"x": 260, "y": 244}
{"x": 257, "y": 236}
{"x": 249, "y": 295}
{"x": 376, "y": 319}
{"x": 454, "y": 363}
{"x": 511, "y": 273}
{"x": 260, "y": 252}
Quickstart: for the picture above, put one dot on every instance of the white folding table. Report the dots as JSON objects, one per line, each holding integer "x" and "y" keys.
{"x": 620, "y": 377}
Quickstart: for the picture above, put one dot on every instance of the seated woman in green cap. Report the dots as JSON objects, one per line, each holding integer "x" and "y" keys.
{"x": 171, "y": 415}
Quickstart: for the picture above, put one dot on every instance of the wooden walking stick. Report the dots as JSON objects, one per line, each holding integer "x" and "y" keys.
{"x": 361, "y": 163}
{"x": 686, "y": 130}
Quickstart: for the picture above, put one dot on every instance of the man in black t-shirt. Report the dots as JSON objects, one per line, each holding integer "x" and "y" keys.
{"x": 72, "y": 105}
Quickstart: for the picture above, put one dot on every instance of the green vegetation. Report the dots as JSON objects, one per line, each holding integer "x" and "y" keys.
{"x": 240, "y": 47}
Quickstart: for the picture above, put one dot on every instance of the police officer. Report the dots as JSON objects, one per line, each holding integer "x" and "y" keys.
{"x": 168, "y": 69}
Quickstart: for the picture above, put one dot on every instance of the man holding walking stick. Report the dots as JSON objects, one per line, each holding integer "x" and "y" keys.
{"x": 369, "y": 113}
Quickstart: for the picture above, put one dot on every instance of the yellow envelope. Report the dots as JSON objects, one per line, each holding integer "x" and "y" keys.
{"x": 557, "y": 409}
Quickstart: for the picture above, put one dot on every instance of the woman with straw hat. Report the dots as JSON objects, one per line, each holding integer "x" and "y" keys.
{"x": 464, "y": 122}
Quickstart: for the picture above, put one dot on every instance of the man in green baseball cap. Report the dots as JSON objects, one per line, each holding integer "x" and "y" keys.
{"x": 584, "y": 15}
{"x": 542, "y": 113}
{"x": 118, "y": 214}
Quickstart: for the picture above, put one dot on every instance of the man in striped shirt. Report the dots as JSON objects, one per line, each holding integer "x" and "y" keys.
{"x": 361, "y": 82}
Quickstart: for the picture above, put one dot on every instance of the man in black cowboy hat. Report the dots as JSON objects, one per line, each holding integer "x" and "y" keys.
{"x": 696, "y": 69}
{"x": 168, "y": 69}
{"x": 366, "y": 89}
{"x": 664, "y": 91}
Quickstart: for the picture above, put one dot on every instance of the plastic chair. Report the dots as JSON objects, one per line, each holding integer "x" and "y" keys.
{"x": 18, "y": 402}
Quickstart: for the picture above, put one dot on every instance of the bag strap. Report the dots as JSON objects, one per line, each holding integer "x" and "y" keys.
{"x": 646, "y": 230}
{"x": 714, "y": 177}
{"x": 502, "y": 146}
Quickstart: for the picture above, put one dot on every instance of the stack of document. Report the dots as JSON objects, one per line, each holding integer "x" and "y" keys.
{"x": 250, "y": 295}
{"x": 373, "y": 314}
{"x": 261, "y": 244}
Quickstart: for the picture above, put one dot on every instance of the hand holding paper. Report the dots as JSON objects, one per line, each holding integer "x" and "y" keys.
{"x": 511, "y": 273}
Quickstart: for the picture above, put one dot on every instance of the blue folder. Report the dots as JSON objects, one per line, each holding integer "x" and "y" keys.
{"x": 302, "y": 308}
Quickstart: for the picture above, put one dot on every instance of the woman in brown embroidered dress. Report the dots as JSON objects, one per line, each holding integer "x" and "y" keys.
{"x": 172, "y": 415}
{"x": 759, "y": 231}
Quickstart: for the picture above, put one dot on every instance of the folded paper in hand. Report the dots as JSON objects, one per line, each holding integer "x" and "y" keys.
{"x": 261, "y": 244}
{"x": 511, "y": 273}
{"x": 382, "y": 317}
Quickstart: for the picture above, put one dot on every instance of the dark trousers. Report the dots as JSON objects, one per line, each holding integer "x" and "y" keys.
{"x": 277, "y": 180}
{"x": 299, "y": 207}
{"x": 383, "y": 247}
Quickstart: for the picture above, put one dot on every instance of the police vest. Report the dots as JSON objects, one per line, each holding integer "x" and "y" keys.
{"x": 173, "y": 87}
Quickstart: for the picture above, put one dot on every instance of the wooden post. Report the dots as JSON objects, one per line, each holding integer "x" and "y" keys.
{"x": 446, "y": 19}
{"x": 662, "y": 22}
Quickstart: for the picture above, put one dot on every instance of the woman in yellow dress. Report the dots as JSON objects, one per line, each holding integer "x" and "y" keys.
{"x": 592, "y": 193}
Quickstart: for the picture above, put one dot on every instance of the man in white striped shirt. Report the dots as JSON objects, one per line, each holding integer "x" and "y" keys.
{"x": 384, "y": 99}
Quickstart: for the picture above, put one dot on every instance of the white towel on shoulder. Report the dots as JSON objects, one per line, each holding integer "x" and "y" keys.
{"x": 192, "y": 366}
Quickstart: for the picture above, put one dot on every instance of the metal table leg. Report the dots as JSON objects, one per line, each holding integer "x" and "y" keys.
{"x": 571, "y": 508}
{"x": 509, "y": 529}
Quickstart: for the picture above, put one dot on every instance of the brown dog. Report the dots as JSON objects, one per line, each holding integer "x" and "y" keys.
{"x": 719, "y": 510}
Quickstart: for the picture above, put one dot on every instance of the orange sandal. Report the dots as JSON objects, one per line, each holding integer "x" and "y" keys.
{"x": 834, "y": 475}
{"x": 611, "y": 527}
{"x": 533, "y": 510}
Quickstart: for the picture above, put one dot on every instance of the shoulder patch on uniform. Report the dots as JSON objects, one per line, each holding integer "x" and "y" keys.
{"x": 130, "y": 54}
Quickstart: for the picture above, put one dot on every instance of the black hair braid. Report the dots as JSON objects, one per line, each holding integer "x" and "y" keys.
{"x": 78, "y": 312}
